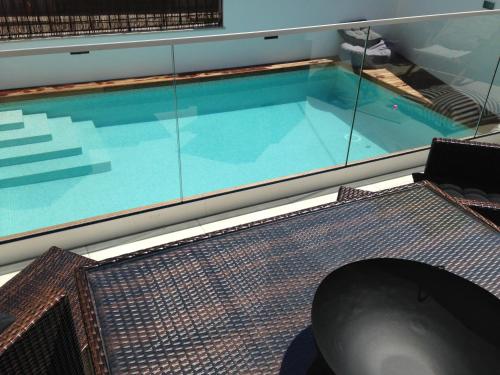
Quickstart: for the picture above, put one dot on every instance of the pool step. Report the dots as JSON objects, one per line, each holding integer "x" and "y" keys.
{"x": 57, "y": 169}
{"x": 11, "y": 120}
{"x": 57, "y": 148}
{"x": 66, "y": 125}
{"x": 35, "y": 130}
{"x": 37, "y": 149}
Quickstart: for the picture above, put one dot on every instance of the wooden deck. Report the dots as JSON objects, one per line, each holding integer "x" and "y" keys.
{"x": 131, "y": 83}
{"x": 381, "y": 76}
{"x": 389, "y": 80}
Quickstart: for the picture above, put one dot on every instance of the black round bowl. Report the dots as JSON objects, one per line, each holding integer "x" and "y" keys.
{"x": 392, "y": 317}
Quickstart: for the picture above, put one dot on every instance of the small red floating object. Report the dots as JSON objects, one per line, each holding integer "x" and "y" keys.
{"x": 395, "y": 107}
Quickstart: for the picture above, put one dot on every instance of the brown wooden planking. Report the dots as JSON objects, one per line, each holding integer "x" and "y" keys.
{"x": 389, "y": 80}
{"x": 381, "y": 76}
{"x": 131, "y": 83}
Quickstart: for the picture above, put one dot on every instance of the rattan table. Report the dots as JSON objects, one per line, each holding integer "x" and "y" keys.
{"x": 238, "y": 301}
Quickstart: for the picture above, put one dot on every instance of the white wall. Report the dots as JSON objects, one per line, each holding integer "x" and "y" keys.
{"x": 239, "y": 16}
{"x": 407, "y": 8}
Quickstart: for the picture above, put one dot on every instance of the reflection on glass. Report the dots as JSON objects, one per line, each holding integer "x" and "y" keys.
{"x": 434, "y": 84}
{"x": 258, "y": 109}
{"x": 490, "y": 120}
{"x": 87, "y": 151}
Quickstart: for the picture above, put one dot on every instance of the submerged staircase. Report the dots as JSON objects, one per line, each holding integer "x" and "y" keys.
{"x": 34, "y": 148}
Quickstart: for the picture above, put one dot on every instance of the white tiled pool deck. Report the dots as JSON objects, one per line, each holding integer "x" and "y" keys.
{"x": 201, "y": 226}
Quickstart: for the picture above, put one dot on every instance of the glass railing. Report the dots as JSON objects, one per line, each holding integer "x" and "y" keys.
{"x": 266, "y": 108}
{"x": 80, "y": 150}
{"x": 489, "y": 122}
{"x": 232, "y": 112}
{"x": 435, "y": 83}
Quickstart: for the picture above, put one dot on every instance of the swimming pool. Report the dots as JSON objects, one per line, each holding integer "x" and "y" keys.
{"x": 74, "y": 157}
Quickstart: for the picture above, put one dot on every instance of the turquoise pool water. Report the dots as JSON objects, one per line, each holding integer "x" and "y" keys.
{"x": 74, "y": 157}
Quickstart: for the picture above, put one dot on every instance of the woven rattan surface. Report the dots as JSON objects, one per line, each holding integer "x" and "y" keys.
{"x": 234, "y": 301}
{"x": 47, "y": 346}
{"x": 46, "y": 278}
{"x": 347, "y": 193}
{"x": 467, "y": 164}
{"x": 489, "y": 210}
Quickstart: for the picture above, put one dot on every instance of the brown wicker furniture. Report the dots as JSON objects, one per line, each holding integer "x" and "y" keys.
{"x": 485, "y": 209}
{"x": 47, "y": 336}
{"x": 347, "y": 193}
{"x": 467, "y": 170}
{"x": 237, "y": 301}
{"x": 47, "y": 345}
